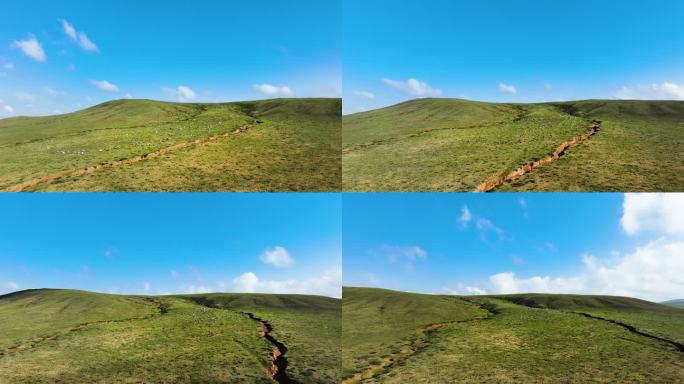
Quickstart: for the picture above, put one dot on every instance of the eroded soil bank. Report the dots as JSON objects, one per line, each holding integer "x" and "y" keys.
{"x": 499, "y": 179}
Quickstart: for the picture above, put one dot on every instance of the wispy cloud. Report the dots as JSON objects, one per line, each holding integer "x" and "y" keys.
{"x": 31, "y": 47}
{"x": 79, "y": 38}
{"x": 365, "y": 94}
{"x": 482, "y": 224}
{"x": 413, "y": 87}
{"x": 105, "y": 85}
{"x": 404, "y": 255}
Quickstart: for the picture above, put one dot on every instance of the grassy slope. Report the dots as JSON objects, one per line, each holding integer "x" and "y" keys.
{"x": 524, "y": 344}
{"x": 378, "y": 322}
{"x": 309, "y": 326}
{"x": 467, "y": 142}
{"x": 189, "y": 343}
{"x": 296, "y": 148}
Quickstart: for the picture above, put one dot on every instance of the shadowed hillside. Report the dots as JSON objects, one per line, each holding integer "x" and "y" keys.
{"x": 460, "y": 145}
{"x": 145, "y": 145}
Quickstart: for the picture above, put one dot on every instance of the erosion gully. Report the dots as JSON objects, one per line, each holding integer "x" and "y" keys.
{"x": 278, "y": 367}
{"x": 428, "y": 330}
{"x": 630, "y": 328}
{"x": 499, "y": 179}
{"x": 678, "y": 346}
{"x": 111, "y": 164}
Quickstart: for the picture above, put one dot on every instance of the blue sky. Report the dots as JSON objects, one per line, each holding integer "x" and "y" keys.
{"x": 171, "y": 243}
{"x": 62, "y": 56}
{"x": 511, "y": 50}
{"x": 461, "y": 243}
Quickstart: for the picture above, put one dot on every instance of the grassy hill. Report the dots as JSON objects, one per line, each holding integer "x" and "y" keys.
{"x": 66, "y": 336}
{"x": 537, "y": 338}
{"x": 675, "y": 303}
{"x": 144, "y": 145}
{"x": 457, "y": 145}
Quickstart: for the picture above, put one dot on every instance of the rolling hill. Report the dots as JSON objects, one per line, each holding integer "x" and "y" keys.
{"x": 66, "y": 336}
{"x": 145, "y": 145}
{"x": 398, "y": 337}
{"x": 675, "y": 303}
{"x": 460, "y": 145}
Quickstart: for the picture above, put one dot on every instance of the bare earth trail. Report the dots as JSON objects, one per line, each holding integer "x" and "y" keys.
{"x": 498, "y": 179}
{"x": 416, "y": 347}
{"x": 85, "y": 171}
{"x": 40, "y": 340}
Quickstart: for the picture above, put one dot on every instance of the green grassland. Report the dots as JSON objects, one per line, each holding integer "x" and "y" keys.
{"x": 455, "y": 145}
{"x": 291, "y": 145}
{"x": 536, "y": 338}
{"x": 64, "y": 336}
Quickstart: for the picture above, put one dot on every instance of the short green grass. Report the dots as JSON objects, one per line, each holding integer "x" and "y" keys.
{"x": 455, "y": 145}
{"x": 538, "y": 340}
{"x": 296, "y": 147}
{"x": 189, "y": 342}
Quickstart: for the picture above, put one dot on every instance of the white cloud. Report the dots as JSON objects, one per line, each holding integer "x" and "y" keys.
{"x": 413, "y": 87}
{"x": 8, "y": 66}
{"x": 662, "y": 212}
{"x": 272, "y": 90}
{"x": 247, "y": 282}
{"x": 183, "y": 93}
{"x": 365, "y": 94}
{"x": 31, "y": 47}
{"x": 328, "y": 283}
{"x": 507, "y": 88}
{"x": 482, "y": 224}
{"x": 652, "y": 272}
{"x": 277, "y": 257}
{"x": 105, "y": 85}
{"x": 663, "y": 91}
{"x": 7, "y": 108}
{"x": 465, "y": 217}
{"x": 69, "y": 29}
{"x": 147, "y": 286}
{"x": 128, "y": 96}
{"x": 79, "y": 37}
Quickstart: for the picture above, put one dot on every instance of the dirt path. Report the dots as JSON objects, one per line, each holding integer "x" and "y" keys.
{"x": 85, "y": 171}
{"x": 428, "y": 331}
{"x": 40, "y": 340}
{"x": 278, "y": 367}
{"x": 678, "y": 346}
{"x": 499, "y": 179}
